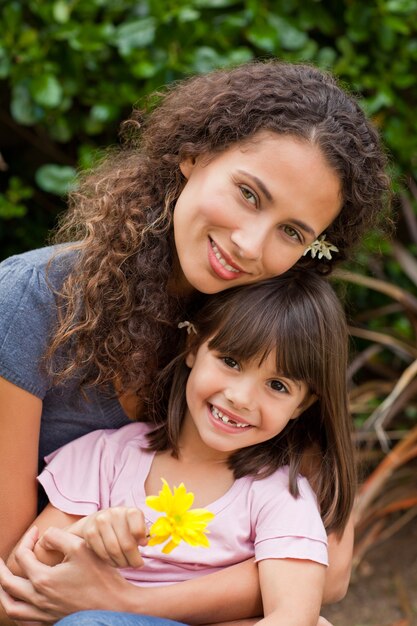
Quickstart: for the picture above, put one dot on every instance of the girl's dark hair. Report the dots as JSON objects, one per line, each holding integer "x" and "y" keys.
{"x": 117, "y": 315}
{"x": 299, "y": 318}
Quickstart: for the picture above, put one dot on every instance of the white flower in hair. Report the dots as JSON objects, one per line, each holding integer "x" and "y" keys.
{"x": 321, "y": 248}
{"x": 189, "y": 326}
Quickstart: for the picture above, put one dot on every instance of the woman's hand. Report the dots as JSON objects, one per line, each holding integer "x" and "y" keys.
{"x": 113, "y": 534}
{"x": 81, "y": 582}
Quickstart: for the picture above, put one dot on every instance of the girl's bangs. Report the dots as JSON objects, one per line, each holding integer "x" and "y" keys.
{"x": 252, "y": 330}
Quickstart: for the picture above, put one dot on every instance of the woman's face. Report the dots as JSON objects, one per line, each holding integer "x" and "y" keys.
{"x": 248, "y": 213}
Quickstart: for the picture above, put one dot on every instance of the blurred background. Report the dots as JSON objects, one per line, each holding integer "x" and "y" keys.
{"x": 71, "y": 71}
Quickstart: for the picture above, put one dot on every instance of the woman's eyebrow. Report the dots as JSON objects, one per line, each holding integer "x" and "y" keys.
{"x": 259, "y": 183}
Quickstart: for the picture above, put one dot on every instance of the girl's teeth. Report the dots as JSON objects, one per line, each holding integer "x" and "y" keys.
{"x": 221, "y": 260}
{"x": 223, "y": 418}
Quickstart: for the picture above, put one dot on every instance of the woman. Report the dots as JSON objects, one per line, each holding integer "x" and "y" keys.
{"x": 233, "y": 177}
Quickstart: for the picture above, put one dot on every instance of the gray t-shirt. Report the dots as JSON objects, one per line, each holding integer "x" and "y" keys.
{"x": 28, "y": 314}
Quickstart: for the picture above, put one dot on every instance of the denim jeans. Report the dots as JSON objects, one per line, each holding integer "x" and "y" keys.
{"x": 113, "y": 618}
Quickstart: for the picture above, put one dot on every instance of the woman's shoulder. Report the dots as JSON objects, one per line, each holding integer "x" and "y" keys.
{"x": 53, "y": 262}
{"x": 28, "y": 313}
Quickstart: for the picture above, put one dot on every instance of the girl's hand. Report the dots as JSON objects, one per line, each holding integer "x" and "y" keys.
{"x": 114, "y": 535}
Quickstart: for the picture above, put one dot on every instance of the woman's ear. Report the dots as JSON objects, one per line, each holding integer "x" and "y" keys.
{"x": 187, "y": 166}
{"x": 190, "y": 359}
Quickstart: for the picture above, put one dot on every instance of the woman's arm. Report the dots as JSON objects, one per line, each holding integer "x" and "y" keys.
{"x": 20, "y": 416}
{"x": 340, "y": 550}
{"x": 83, "y": 581}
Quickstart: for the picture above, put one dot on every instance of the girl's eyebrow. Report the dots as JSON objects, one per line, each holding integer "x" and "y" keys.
{"x": 261, "y": 185}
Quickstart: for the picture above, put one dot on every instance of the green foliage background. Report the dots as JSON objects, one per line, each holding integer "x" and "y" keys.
{"x": 70, "y": 71}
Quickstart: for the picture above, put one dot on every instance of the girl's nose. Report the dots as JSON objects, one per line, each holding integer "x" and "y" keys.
{"x": 240, "y": 395}
{"x": 250, "y": 239}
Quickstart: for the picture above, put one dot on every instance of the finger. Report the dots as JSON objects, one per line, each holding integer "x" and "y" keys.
{"x": 137, "y": 526}
{"x": 15, "y": 589}
{"x": 121, "y": 546}
{"x": 112, "y": 527}
{"x": 30, "y": 538}
{"x": 19, "y": 610}
{"x": 61, "y": 541}
{"x": 53, "y": 538}
{"x": 118, "y": 538}
{"x": 128, "y": 528}
{"x": 105, "y": 545}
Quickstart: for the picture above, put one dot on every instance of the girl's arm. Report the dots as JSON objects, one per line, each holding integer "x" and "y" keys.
{"x": 20, "y": 416}
{"x": 292, "y": 591}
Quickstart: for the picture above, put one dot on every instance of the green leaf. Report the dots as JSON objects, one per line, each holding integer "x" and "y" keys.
{"x": 8, "y": 210}
{"x": 133, "y": 35}
{"x": 22, "y": 108}
{"x": 46, "y": 90}
{"x": 5, "y": 63}
{"x": 61, "y": 11}
{"x": 264, "y": 36}
{"x": 103, "y": 112}
{"x": 56, "y": 179}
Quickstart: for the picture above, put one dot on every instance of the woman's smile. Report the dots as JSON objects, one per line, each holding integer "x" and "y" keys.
{"x": 221, "y": 263}
{"x": 248, "y": 213}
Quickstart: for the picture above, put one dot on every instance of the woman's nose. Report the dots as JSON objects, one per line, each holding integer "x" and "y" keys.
{"x": 250, "y": 239}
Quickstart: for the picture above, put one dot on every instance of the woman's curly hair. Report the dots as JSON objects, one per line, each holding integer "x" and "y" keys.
{"x": 118, "y": 316}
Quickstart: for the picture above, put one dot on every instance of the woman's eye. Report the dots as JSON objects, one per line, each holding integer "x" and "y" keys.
{"x": 227, "y": 360}
{"x": 248, "y": 195}
{"x": 293, "y": 233}
{"x": 277, "y": 385}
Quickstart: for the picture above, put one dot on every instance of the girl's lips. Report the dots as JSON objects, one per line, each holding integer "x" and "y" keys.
{"x": 220, "y": 417}
{"x": 221, "y": 263}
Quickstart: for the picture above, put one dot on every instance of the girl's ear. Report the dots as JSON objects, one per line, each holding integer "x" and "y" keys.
{"x": 306, "y": 403}
{"x": 187, "y": 166}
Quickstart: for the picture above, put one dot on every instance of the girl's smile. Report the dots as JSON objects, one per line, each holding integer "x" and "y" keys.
{"x": 248, "y": 213}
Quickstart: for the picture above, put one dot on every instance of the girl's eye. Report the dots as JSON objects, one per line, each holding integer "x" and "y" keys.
{"x": 277, "y": 385}
{"x": 248, "y": 195}
{"x": 293, "y": 233}
{"x": 227, "y": 360}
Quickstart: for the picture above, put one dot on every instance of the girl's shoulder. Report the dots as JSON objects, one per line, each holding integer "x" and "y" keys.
{"x": 273, "y": 506}
{"x": 275, "y": 488}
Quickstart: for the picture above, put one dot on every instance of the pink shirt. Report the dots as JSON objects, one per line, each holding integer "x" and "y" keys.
{"x": 255, "y": 518}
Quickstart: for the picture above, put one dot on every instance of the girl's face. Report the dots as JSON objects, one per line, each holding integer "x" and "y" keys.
{"x": 248, "y": 213}
{"x": 232, "y": 405}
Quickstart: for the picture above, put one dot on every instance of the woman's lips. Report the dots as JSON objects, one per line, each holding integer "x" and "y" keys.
{"x": 221, "y": 263}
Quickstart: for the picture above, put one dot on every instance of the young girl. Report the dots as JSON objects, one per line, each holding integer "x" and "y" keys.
{"x": 261, "y": 378}
{"x": 227, "y": 182}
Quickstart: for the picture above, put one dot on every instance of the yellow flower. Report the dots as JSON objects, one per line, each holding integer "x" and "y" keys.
{"x": 180, "y": 523}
